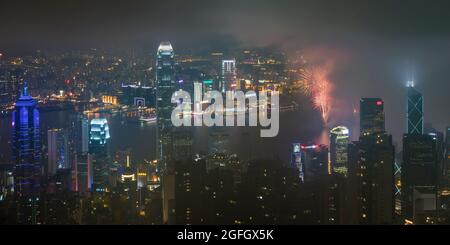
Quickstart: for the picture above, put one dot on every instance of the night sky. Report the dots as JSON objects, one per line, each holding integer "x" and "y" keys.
{"x": 375, "y": 46}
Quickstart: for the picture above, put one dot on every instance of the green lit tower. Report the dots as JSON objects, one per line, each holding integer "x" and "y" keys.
{"x": 414, "y": 115}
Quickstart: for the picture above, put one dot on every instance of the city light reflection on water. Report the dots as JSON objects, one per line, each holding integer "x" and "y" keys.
{"x": 295, "y": 126}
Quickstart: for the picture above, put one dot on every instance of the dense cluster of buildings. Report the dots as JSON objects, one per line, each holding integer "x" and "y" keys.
{"x": 76, "y": 179}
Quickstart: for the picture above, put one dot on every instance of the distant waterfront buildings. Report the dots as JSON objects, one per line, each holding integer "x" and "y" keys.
{"x": 137, "y": 95}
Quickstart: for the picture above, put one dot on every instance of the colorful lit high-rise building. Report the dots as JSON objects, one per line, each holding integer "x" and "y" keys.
{"x": 27, "y": 157}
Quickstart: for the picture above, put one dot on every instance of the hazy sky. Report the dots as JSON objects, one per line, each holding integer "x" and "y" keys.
{"x": 374, "y": 44}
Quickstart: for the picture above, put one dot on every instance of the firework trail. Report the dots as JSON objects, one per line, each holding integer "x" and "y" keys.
{"x": 314, "y": 82}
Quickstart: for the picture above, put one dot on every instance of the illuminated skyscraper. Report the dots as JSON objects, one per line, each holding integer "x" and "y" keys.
{"x": 27, "y": 157}
{"x": 414, "y": 115}
{"x": 98, "y": 147}
{"x": 58, "y": 151}
{"x": 339, "y": 149}
{"x": 371, "y": 116}
{"x": 228, "y": 75}
{"x": 165, "y": 86}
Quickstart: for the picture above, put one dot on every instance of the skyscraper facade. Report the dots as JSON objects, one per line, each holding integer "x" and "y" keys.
{"x": 165, "y": 86}
{"x": 371, "y": 116}
{"x": 84, "y": 135}
{"x": 58, "y": 151}
{"x": 414, "y": 115}
{"x": 419, "y": 174}
{"x": 99, "y": 148}
{"x": 26, "y": 148}
{"x": 371, "y": 174}
{"x": 339, "y": 149}
{"x": 315, "y": 161}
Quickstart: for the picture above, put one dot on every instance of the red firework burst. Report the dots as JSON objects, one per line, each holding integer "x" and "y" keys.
{"x": 316, "y": 84}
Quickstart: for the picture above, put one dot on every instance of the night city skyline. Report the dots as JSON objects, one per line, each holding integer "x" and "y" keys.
{"x": 356, "y": 93}
{"x": 376, "y": 47}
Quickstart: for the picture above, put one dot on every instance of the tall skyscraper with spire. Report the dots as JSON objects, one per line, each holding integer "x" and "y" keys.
{"x": 165, "y": 86}
{"x": 26, "y": 149}
{"x": 414, "y": 115}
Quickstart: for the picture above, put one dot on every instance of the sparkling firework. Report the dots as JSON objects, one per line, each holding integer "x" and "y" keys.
{"x": 314, "y": 82}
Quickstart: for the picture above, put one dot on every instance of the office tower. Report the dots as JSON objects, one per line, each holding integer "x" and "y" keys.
{"x": 63, "y": 180}
{"x": 168, "y": 197}
{"x": 84, "y": 135}
{"x": 296, "y": 160}
{"x": 26, "y": 148}
{"x": 371, "y": 116}
{"x": 219, "y": 194}
{"x": 371, "y": 179}
{"x": 339, "y": 149}
{"x": 58, "y": 151}
{"x": 128, "y": 192}
{"x": 99, "y": 148}
{"x": 228, "y": 75}
{"x": 419, "y": 177}
{"x": 84, "y": 173}
{"x": 269, "y": 195}
{"x": 190, "y": 180}
{"x": 414, "y": 115}
{"x": 128, "y": 178}
{"x": 165, "y": 86}
{"x": 315, "y": 161}
{"x": 438, "y": 138}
